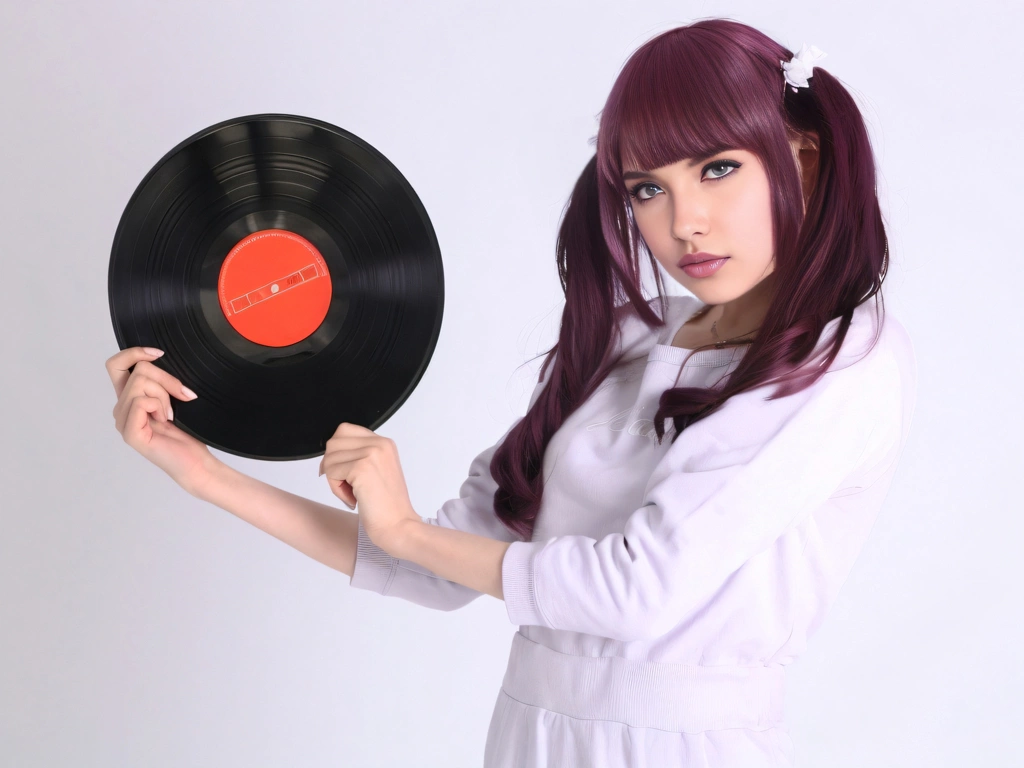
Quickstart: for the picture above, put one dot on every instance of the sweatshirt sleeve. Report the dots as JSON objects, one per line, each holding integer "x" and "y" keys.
{"x": 728, "y": 487}
{"x": 472, "y": 511}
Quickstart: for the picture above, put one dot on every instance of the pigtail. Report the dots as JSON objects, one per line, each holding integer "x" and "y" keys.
{"x": 578, "y": 362}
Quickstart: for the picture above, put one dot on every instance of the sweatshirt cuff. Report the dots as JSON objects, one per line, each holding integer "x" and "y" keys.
{"x": 518, "y": 584}
{"x": 374, "y": 568}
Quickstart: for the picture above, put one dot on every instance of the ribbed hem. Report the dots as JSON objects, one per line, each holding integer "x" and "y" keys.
{"x": 517, "y": 583}
{"x": 374, "y": 568}
{"x": 706, "y": 358}
{"x": 683, "y": 698}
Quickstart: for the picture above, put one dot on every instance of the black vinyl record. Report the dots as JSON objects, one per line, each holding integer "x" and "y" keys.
{"x": 292, "y": 277}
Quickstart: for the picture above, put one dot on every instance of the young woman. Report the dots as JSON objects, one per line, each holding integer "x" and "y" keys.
{"x": 660, "y": 578}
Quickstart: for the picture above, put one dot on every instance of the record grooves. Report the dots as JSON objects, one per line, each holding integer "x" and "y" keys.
{"x": 290, "y": 273}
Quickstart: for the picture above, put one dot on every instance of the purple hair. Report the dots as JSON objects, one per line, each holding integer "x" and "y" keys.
{"x": 713, "y": 85}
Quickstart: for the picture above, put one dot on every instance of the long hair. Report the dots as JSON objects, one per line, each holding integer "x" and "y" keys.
{"x": 713, "y": 85}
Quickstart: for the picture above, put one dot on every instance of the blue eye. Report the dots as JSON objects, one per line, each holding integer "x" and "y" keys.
{"x": 635, "y": 190}
{"x": 721, "y": 164}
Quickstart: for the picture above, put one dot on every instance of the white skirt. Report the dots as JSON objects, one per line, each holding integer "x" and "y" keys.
{"x": 556, "y": 709}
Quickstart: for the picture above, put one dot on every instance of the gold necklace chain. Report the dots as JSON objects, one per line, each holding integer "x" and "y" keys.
{"x": 722, "y": 342}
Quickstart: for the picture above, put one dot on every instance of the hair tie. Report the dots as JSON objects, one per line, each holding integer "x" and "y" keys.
{"x": 801, "y": 66}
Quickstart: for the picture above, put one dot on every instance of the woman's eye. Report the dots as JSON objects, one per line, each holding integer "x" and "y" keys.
{"x": 722, "y": 165}
{"x": 635, "y": 192}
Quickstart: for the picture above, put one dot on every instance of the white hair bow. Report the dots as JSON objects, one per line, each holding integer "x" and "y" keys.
{"x": 801, "y": 66}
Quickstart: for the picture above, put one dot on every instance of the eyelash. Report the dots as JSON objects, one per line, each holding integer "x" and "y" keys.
{"x": 716, "y": 164}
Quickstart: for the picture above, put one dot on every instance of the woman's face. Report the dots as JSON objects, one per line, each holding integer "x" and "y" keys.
{"x": 720, "y": 206}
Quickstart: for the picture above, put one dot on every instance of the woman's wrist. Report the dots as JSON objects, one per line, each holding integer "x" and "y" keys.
{"x": 320, "y": 531}
{"x": 205, "y": 476}
{"x": 400, "y": 543}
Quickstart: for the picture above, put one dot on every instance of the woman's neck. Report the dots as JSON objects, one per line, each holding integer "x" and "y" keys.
{"x": 743, "y": 315}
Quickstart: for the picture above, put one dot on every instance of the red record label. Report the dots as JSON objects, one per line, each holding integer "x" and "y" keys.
{"x": 274, "y": 287}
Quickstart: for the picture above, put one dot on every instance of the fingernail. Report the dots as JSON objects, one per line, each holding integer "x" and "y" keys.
{"x": 188, "y": 392}
{"x": 153, "y": 351}
{"x": 170, "y": 413}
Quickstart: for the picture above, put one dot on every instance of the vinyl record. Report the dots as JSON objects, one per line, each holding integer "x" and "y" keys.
{"x": 292, "y": 277}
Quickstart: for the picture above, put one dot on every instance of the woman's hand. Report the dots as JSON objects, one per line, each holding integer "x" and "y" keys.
{"x": 362, "y": 467}
{"x": 142, "y": 416}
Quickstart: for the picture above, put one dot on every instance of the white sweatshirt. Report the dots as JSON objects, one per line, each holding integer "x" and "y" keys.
{"x": 726, "y": 547}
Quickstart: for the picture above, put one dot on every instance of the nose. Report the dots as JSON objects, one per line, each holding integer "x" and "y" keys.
{"x": 689, "y": 217}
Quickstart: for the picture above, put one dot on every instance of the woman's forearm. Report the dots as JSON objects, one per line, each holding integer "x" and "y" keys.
{"x": 324, "y": 533}
{"x": 465, "y": 558}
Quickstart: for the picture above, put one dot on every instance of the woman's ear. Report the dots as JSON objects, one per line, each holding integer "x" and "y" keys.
{"x": 805, "y": 153}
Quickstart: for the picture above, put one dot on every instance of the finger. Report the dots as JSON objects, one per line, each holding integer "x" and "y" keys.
{"x": 343, "y": 490}
{"x": 351, "y": 440}
{"x": 348, "y": 494}
{"x": 171, "y": 384}
{"x": 337, "y": 458}
{"x": 142, "y": 360}
{"x": 143, "y": 386}
{"x": 349, "y": 429}
{"x": 137, "y": 429}
{"x": 119, "y": 366}
{"x": 335, "y": 467}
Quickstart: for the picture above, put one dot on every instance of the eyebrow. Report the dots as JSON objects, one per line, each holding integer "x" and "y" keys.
{"x": 690, "y": 163}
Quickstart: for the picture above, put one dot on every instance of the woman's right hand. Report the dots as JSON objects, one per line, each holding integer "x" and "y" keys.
{"x": 141, "y": 416}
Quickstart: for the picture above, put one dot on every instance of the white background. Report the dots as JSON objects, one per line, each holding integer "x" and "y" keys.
{"x": 140, "y": 626}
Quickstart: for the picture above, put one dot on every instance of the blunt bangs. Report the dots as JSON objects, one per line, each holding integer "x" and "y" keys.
{"x": 676, "y": 101}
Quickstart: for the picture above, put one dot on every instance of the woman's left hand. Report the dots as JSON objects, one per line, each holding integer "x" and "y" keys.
{"x": 362, "y": 467}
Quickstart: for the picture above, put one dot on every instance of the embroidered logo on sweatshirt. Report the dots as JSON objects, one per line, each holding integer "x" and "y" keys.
{"x": 618, "y": 423}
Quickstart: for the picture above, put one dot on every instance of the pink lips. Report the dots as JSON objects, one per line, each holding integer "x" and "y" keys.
{"x": 694, "y": 258}
{"x": 701, "y": 264}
